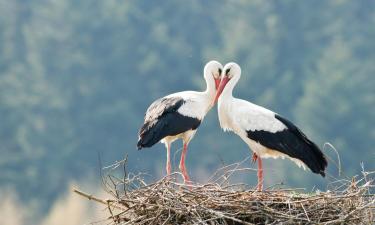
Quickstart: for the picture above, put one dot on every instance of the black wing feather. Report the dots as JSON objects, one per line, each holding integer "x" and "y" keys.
{"x": 162, "y": 119}
{"x": 294, "y": 143}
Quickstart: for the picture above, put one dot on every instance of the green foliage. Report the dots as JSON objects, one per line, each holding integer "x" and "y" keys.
{"x": 77, "y": 76}
{"x": 339, "y": 103}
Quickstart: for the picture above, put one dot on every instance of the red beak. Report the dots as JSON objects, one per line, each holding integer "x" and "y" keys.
{"x": 223, "y": 82}
{"x": 217, "y": 83}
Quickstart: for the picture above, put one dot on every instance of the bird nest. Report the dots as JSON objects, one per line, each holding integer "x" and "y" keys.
{"x": 169, "y": 202}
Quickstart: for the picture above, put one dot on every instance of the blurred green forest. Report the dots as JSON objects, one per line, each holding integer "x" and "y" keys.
{"x": 77, "y": 76}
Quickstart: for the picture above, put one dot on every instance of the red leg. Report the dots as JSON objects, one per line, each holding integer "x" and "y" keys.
{"x": 260, "y": 174}
{"x": 168, "y": 166}
{"x": 182, "y": 165}
{"x": 254, "y": 157}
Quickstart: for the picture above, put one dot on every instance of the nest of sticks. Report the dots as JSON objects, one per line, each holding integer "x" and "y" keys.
{"x": 169, "y": 202}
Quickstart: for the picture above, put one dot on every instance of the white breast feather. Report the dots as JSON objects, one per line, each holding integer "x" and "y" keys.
{"x": 224, "y": 112}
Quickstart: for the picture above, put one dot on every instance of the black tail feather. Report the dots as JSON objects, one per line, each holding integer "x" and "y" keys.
{"x": 304, "y": 149}
{"x": 315, "y": 159}
{"x": 148, "y": 136}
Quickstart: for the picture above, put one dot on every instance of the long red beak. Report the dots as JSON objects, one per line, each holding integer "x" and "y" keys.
{"x": 221, "y": 87}
{"x": 217, "y": 83}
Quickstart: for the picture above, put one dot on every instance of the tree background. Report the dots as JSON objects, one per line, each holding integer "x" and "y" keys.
{"x": 77, "y": 76}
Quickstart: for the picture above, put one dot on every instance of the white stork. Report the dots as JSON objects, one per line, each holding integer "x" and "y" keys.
{"x": 178, "y": 116}
{"x": 265, "y": 132}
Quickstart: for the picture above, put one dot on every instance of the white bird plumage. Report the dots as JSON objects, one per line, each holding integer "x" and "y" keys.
{"x": 248, "y": 116}
{"x": 178, "y": 115}
{"x": 265, "y": 132}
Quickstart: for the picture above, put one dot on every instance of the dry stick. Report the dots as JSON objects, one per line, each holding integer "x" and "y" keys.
{"x": 93, "y": 198}
{"x": 305, "y": 212}
{"x": 229, "y": 217}
{"x": 231, "y": 172}
{"x": 211, "y": 178}
{"x": 337, "y": 154}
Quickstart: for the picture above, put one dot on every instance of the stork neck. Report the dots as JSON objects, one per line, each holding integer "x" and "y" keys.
{"x": 228, "y": 90}
{"x": 210, "y": 87}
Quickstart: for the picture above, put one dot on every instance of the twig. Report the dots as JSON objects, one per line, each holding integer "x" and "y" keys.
{"x": 93, "y": 198}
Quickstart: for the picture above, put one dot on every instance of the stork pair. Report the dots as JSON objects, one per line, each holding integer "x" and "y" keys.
{"x": 266, "y": 133}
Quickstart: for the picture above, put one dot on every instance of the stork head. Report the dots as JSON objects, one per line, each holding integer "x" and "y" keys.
{"x": 212, "y": 72}
{"x": 231, "y": 74}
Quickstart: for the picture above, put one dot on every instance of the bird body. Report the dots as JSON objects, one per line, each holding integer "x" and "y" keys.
{"x": 178, "y": 115}
{"x": 268, "y": 134}
{"x": 265, "y": 132}
{"x": 174, "y": 116}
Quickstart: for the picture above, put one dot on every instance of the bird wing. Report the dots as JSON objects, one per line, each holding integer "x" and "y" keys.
{"x": 251, "y": 117}
{"x": 161, "y": 107}
{"x": 164, "y": 119}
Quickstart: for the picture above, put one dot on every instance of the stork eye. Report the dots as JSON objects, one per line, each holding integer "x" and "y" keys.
{"x": 227, "y": 71}
{"x": 220, "y": 71}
